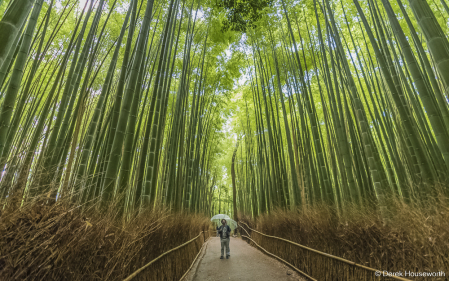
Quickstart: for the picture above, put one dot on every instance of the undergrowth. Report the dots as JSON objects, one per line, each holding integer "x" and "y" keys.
{"x": 60, "y": 242}
{"x": 415, "y": 238}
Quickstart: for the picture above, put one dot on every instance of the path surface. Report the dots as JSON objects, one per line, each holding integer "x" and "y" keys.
{"x": 245, "y": 263}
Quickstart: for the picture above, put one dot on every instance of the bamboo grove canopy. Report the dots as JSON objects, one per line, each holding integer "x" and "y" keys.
{"x": 137, "y": 103}
{"x": 346, "y": 103}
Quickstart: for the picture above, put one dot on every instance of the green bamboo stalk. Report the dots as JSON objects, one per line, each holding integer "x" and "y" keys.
{"x": 16, "y": 77}
{"x": 113, "y": 165}
{"x": 11, "y": 23}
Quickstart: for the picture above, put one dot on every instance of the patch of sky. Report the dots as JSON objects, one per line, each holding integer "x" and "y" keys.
{"x": 81, "y": 5}
{"x": 95, "y": 93}
{"x": 356, "y": 64}
{"x": 198, "y": 14}
{"x": 355, "y": 19}
{"x": 228, "y": 53}
{"x": 308, "y": 75}
{"x": 242, "y": 79}
{"x": 286, "y": 91}
{"x": 243, "y": 42}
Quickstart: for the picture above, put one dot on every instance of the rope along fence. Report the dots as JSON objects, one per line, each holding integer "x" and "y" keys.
{"x": 308, "y": 261}
{"x": 140, "y": 270}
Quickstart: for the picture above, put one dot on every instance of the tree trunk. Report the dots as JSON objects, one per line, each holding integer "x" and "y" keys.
{"x": 234, "y": 189}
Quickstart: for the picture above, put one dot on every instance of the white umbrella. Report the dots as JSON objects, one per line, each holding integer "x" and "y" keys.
{"x": 217, "y": 219}
{"x": 232, "y": 223}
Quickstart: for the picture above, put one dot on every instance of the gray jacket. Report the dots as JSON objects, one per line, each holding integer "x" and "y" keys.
{"x": 224, "y": 231}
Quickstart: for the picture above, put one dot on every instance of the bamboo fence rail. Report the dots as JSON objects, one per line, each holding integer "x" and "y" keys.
{"x": 130, "y": 277}
{"x": 376, "y": 271}
{"x": 284, "y": 261}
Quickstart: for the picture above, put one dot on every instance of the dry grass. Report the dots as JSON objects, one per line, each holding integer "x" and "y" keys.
{"x": 416, "y": 239}
{"x": 59, "y": 242}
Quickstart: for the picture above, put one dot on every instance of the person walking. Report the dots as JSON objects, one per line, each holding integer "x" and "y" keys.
{"x": 225, "y": 235}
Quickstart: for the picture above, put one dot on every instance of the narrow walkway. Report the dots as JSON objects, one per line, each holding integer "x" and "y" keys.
{"x": 245, "y": 263}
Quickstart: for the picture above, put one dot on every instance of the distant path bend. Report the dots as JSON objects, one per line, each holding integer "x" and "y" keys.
{"x": 245, "y": 263}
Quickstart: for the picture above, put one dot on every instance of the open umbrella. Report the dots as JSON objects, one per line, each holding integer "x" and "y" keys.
{"x": 217, "y": 220}
{"x": 219, "y": 217}
{"x": 232, "y": 223}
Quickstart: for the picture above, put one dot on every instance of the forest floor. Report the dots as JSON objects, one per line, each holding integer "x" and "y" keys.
{"x": 245, "y": 263}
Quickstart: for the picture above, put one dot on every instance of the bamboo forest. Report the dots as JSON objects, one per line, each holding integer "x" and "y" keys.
{"x": 311, "y": 135}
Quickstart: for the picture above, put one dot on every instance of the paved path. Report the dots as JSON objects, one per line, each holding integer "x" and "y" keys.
{"x": 245, "y": 263}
